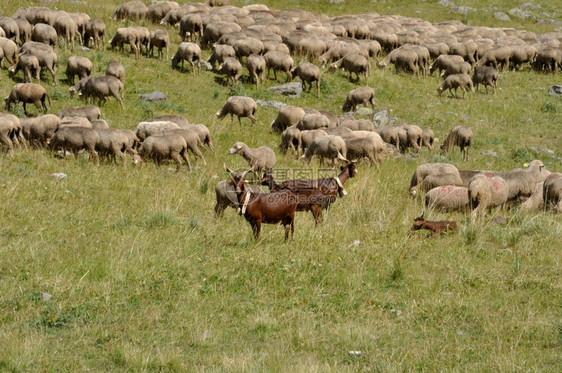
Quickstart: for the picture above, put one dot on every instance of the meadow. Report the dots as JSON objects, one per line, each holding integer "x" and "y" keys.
{"x": 125, "y": 268}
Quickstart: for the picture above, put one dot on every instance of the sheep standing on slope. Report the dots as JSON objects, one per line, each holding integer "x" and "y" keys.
{"x": 431, "y": 175}
{"x": 357, "y": 96}
{"x": 240, "y": 106}
{"x": 260, "y": 159}
{"x": 329, "y": 146}
{"x": 460, "y": 136}
{"x": 486, "y": 191}
{"x": 462, "y": 81}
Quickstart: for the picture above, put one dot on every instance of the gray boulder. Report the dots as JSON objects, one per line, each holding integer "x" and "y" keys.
{"x": 154, "y": 96}
{"x": 555, "y": 90}
{"x": 274, "y": 104}
{"x": 501, "y": 16}
{"x": 382, "y": 118}
{"x": 288, "y": 89}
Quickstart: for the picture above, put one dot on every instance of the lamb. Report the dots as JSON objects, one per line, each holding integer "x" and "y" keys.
{"x": 256, "y": 68}
{"x": 354, "y": 63}
{"x": 313, "y": 121}
{"x": 160, "y": 40}
{"x": 115, "y": 69}
{"x": 486, "y": 75}
{"x": 260, "y": 159}
{"x": 291, "y": 139}
{"x": 308, "y": 73}
{"x": 75, "y": 139}
{"x": 428, "y": 138}
{"x": 220, "y": 53}
{"x": 77, "y": 65}
{"x": 462, "y": 81}
{"x": 431, "y": 175}
{"x": 46, "y": 34}
{"x": 90, "y": 112}
{"x": 161, "y": 147}
{"x": 437, "y": 227}
{"x": 460, "y": 136}
{"x": 28, "y": 93}
{"x": 329, "y": 146}
{"x": 553, "y": 191}
{"x": 240, "y": 106}
{"x": 116, "y": 143}
{"x": 447, "y": 197}
{"x": 45, "y": 55}
{"x": 189, "y": 52}
{"x": 232, "y": 68}
{"x": 95, "y": 29}
{"x": 279, "y": 61}
{"x": 486, "y": 191}
{"x": 27, "y": 63}
{"x": 146, "y": 129}
{"x": 361, "y": 95}
{"x": 39, "y": 130}
{"x": 193, "y": 142}
{"x": 288, "y": 116}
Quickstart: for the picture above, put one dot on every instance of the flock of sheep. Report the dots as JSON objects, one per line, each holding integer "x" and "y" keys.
{"x": 262, "y": 39}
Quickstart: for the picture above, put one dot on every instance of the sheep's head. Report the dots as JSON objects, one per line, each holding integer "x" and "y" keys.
{"x": 236, "y": 148}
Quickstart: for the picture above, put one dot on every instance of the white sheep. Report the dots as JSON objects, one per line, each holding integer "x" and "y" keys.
{"x": 485, "y": 190}
{"x": 447, "y": 197}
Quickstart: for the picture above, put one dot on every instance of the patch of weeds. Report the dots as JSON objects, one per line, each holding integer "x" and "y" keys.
{"x": 396, "y": 273}
{"x": 52, "y": 317}
{"x": 160, "y": 219}
{"x": 59, "y": 94}
{"x": 121, "y": 223}
{"x": 204, "y": 187}
{"x": 194, "y": 222}
{"x": 548, "y": 107}
{"x": 216, "y": 94}
{"x": 471, "y": 235}
{"x": 521, "y": 154}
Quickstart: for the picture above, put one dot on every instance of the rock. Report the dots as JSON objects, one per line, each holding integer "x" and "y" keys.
{"x": 382, "y": 118}
{"x": 274, "y": 104}
{"x": 463, "y": 9}
{"x": 364, "y": 111}
{"x": 446, "y": 3}
{"x": 45, "y": 297}
{"x": 490, "y": 153}
{"x": 288, "y": 89}
{"x": 555, "y": 90}
{"x": 550, "y": 22}
{"x": 529, "y": 5}
{"x": 520, "y": 13}
{"x": 59, "y": 175}
{"x": 541, "y": 149}
{"x": 83, "y": 48}
{"x": 501, "y": 16}
{"x": 154, "y": 96}
{"x": 413, "y": 155}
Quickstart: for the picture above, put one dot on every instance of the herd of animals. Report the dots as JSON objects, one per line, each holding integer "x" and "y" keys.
{"x": 263, "y": 39}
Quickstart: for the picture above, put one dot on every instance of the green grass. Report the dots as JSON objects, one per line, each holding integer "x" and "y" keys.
{"x": 144, "y": 278}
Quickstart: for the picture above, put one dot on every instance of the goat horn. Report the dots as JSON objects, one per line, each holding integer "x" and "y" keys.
{"x": 421, "y": 216}
{"x": 340, "y": 156}
{"x": 226, "y": 168}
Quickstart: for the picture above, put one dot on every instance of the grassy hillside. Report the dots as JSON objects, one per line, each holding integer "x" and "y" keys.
{"x": 142, "y": 277}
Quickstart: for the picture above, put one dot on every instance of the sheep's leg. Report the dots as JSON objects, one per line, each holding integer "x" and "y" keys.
{"x": 24, "y": 109}
{"x": 252, "y": 118}
{"x": 185, "y": 158}
{"x": 176, "y": 157}
{"x": 463, "y": 91}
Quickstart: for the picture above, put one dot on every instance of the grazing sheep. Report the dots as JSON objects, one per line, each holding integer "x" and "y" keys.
{"x": 191, "y": 27}
{"x": 116, "y": 143}
{"x": 447, "y": 197}
{"x": 460, "y": 136}
{"x": 28, "y": 63}
{"x": 410, "y": 137}
{"x": 339, "y": 50}
{"x": 402, "y": 59}
{"x": 45, "y": 55}
{"x": 10, "y": 28}
{"x": 232, "y": 68}
{"x": 28, "y": 93}
{"x": 115, "y": 69}
{"x": 361, "y": 95}
{"x": 247, "y": 46}
{"x": 486, "y": 191}
{"x": 75, "y": 122}
{"x": 308, "y": 73}
{"x": 291, "y": 139}
{"x": 279, "y": 61}
{"x": 498, "y": 55}
{"x": 74, "y": 139}
{"x": 428, "y": 138}
{"x": 260, "y": 159}
{"x": 486, "y": 75}
{"x": 9, "y": 124}
{"x": 95, "y": 30}
{"x": 462, "y": 81}
{"x": 160, "y": 40}
{"x": 67, "y": 28}
{"x": 370, "y": 147}
{"x": 457, "y": 68}
{"x": 39, "y": 130}
{"x": 90, "y": 112}
{"x": 99, "y": 87}
{"x": 522, "y": 181}
{"x": 9, "y": 50}
{"x": 307, "y": 136}
{"x": 288, "y": 116}
{"x": 329, "y": 146}
{"x": 390, "y": 134}
{"x": 359, "y": 125}
{"x": 134, "y": 10}
{"x": 24, "y": 28}
{"x": 193, "y": 142}
{"x": 189, "y": 52}
{"x": 442, "y": 62}
{"x": 431, "y": 175}
{"x": 161, "y": 147}
{"x": 552, "y": 191}
{"x": 46, "y": 34}
{"x": 354, "y": 63}
{"x": 146, "y": 129}
{"x": 256, "y": 68}
{"x": 240, "y": 106}
{"x": 313, "y": 121}
{"x": 77, "y": 65}
{"x": 157, "y": 11}
{"x": 220, "y": 53}
{"x": 468, "y": 50}
{"x": 203, "y": 133}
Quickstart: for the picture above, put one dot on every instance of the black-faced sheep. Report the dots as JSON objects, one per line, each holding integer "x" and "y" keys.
{"x": 260, "y": 159}
{"x": 460, "y": 136}
{"x": 240, "y": 106}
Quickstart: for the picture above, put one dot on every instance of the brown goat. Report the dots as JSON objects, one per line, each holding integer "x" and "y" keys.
{"x": 258, "y": 208}
{"x": 437, "y": 227}
{"x": 314, "y": 195}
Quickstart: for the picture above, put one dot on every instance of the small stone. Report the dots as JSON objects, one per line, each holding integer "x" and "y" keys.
{"x": 59, "y": 175}
{"x": 529, "y": 5}
{"x": 355, "y": 243}
{"x": 463, "y": 9}
{"x": 382, "y": 118}
{"x": 555, "y": 90}
{"x": 446, "y": 3}
{"x": 289, "y": 89}
{"x": 519, "y": 13}
{"x": 541, "y": 149}
{"x": 364, "y": 111}
{"x": 274, "y": 104}
{"x": 413, "y": 156}
{"x": 154, "y": 96}
{"x": 355, "y": 353}
{"x": 501, "y": 16}
{"x": 83, "y": 48}
{"x": 45, "y": 297}
{"x": 490, "y": 153}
